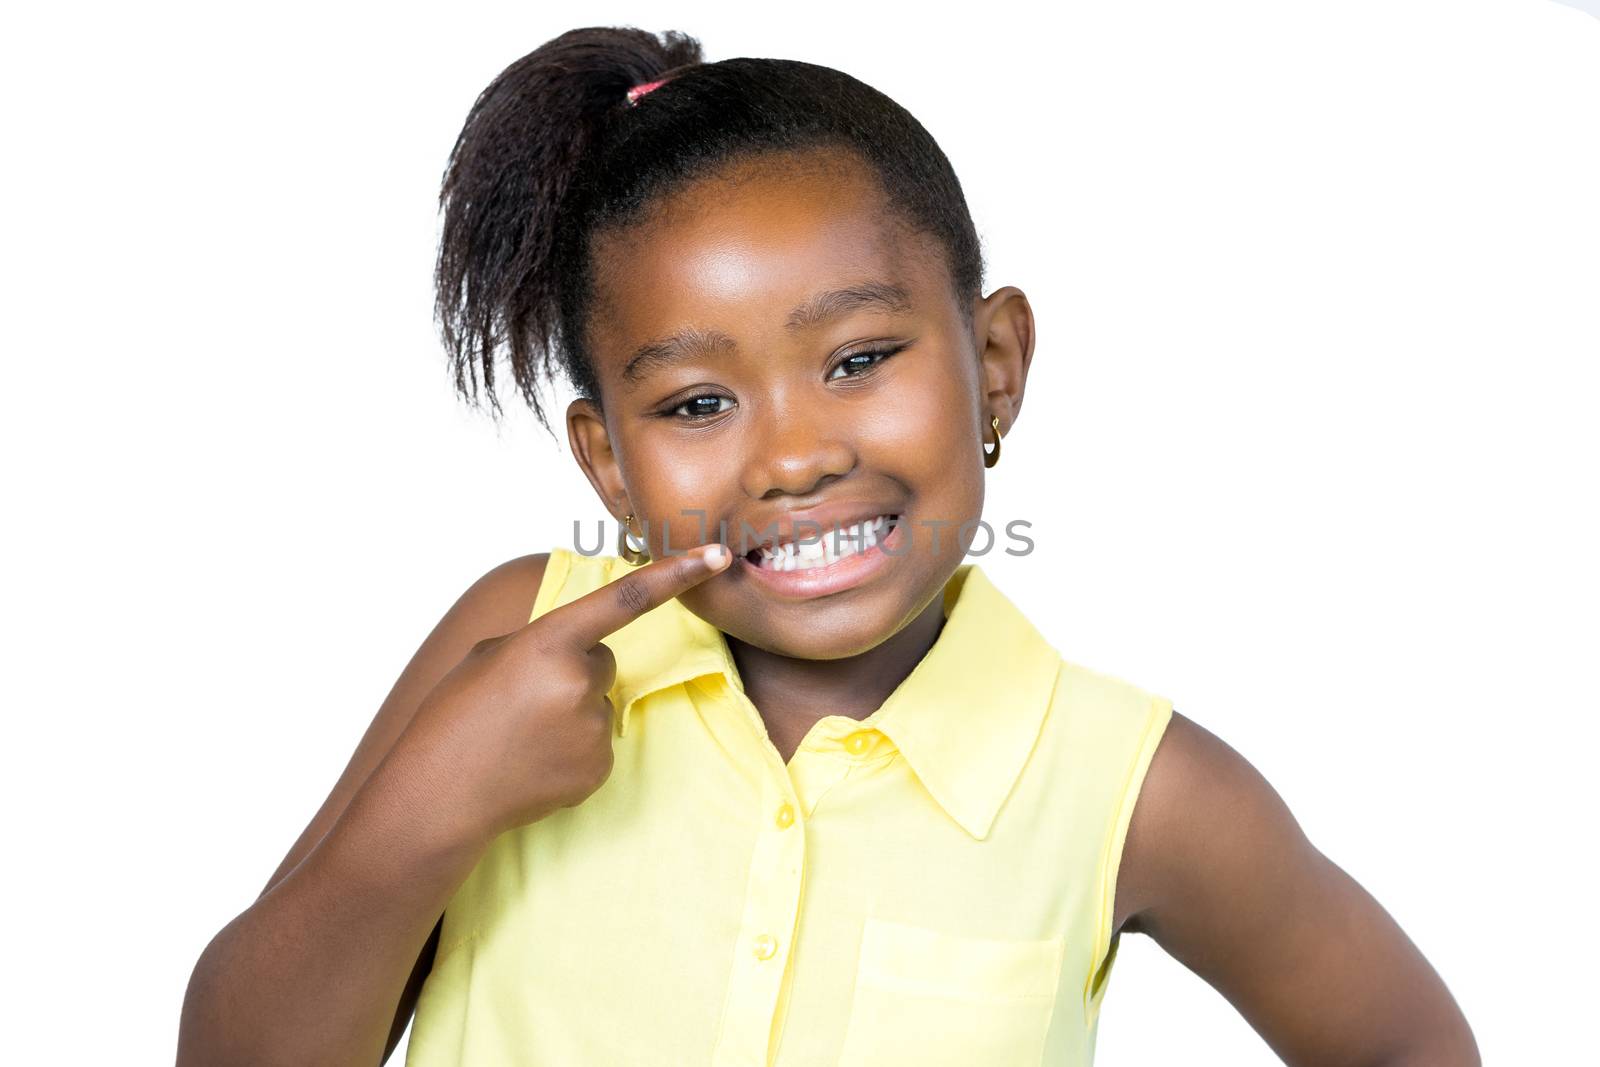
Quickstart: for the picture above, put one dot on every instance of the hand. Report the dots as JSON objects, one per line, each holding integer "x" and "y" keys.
{"x": 523, "y": 725}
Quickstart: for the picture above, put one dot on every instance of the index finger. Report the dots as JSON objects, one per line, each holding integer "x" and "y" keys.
{"x": 611, "y": 607}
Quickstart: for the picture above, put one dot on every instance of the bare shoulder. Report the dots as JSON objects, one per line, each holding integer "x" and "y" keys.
{"x": 497, "y": 602}
{"x": 1202, "y": 805}
{"x": 503, "y": 595}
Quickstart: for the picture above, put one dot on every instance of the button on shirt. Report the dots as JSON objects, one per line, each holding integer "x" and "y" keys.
{"x": 931, "y": 885}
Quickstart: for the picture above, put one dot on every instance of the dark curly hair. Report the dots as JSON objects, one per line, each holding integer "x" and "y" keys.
{"x": 553, "y": 152}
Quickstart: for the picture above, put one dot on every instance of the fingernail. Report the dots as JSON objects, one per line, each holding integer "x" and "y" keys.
{"x": 714, "y": 555}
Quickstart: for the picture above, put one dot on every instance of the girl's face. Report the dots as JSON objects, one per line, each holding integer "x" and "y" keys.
{"x": 774, "y": 349}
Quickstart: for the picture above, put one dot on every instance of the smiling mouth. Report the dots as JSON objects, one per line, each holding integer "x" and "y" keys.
{"x": 830, "y": 547}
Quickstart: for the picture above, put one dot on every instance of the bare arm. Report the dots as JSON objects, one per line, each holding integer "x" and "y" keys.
{"x": 1218, "y": 872}
{"x": 326, "y": 965}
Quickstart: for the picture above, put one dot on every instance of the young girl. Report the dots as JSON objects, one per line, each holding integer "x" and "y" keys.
{"x": 805, "y": 788}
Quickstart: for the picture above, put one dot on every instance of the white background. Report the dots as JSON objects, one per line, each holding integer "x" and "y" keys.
{"x": 1309, "y": 445}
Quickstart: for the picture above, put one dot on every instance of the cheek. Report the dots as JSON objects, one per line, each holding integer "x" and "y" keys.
{"x": 927, "y": 434}
{"x": 679, "y": 474}
{"x": 675, "y": 485}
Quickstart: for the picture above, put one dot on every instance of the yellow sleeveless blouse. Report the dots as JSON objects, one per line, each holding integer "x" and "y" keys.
{"x": 931, "y": 885}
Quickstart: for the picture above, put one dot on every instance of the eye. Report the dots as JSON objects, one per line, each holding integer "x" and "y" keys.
{"x": 858, "y": 363}
{"x": 701, "y": 407}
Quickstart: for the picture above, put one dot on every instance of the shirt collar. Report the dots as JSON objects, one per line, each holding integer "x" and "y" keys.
{"x": 966, "y": 718}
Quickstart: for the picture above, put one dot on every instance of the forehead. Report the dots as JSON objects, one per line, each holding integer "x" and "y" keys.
{"x": 741, "y": 248}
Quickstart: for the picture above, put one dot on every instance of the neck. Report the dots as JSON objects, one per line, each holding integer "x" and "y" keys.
{"x": 792, "y": 694}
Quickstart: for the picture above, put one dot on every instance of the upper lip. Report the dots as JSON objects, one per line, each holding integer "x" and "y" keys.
{"x": 811, "y": 523}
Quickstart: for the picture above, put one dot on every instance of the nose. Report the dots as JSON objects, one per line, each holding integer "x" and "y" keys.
{"x": 798, "y": 453}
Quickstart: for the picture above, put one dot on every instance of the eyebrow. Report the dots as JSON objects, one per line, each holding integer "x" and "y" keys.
{"x": 820, "y": 308}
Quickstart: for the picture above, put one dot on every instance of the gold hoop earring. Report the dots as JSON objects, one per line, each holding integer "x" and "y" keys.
{"x": 633, "y": 556}
{"x": 991, "y": 458}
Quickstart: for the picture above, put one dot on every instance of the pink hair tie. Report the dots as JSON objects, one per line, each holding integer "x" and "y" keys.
{"x": 643, "y": 87}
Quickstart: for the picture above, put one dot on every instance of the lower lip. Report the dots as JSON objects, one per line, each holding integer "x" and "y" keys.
{"x": 846, "y": 573}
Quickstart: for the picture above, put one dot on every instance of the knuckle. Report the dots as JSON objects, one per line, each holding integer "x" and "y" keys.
{"x": 632, "y": 597}
{"x": 597, "y": 727}
{"x": 550, "y": 649}
{"x": 547, "y": 648}
{"x": 589, "y": 772}
{"x": 603, "y": 665}
{"x": 604, "y": 761}
{"x": 601, "y": 733}
{"x": 543, "y": 638}
{"x": 579, "y": 683}
{"x": 563, "y": 677}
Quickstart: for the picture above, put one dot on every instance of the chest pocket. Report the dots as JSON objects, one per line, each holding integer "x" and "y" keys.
{"x": 937, "y": 999}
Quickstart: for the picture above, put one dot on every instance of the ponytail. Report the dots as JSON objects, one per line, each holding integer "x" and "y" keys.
{"x": 504, "y": 189}
{"x": 554, "y": 150}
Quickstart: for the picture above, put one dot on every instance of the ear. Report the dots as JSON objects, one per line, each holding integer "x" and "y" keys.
{"x": 591, "y": 446}
{"x": 1002, "y": 326}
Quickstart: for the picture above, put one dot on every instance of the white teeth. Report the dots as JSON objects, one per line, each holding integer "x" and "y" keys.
{"x": 793, "y": 556}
